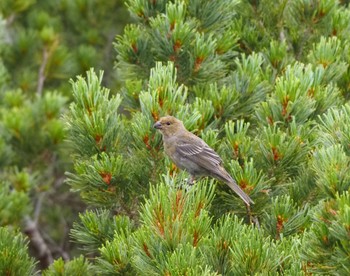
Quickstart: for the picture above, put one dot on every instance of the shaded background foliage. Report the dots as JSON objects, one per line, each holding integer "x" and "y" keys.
{"x": 43, "y": 45}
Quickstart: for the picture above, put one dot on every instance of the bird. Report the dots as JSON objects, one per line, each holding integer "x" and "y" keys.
{"x": 192, "y": 154}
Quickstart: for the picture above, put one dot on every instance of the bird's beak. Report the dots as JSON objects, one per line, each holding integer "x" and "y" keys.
{"x": 157, "y": 125}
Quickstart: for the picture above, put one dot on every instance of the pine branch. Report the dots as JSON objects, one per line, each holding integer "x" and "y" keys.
{"x": 37, "y": 242}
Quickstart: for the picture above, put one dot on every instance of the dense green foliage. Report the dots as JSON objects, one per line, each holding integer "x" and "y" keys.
{"x": 14, "y": 258}
{"x": 265, "y": 83}
{"x": 42, "y": 45}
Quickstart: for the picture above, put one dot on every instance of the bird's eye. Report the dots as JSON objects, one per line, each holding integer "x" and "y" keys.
{"x": 168, "y": 123}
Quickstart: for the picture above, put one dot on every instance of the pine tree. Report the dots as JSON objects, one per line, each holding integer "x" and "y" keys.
{"x": 42, "y": 44}
{"x": 267, "y": 111}
{"x": 264, "y": 83}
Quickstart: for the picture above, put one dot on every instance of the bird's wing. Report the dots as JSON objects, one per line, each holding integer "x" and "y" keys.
{"x": 196, "y": 150}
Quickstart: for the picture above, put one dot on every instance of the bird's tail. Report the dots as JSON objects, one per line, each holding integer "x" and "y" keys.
{"x": 226, "y": 177}
{"x": 233, "y": 185}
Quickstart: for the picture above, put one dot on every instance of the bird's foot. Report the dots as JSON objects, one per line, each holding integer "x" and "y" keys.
{"x": 191, "y": 180}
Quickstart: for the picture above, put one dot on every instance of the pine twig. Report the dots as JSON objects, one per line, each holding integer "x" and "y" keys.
{"x": 249, "y": 213}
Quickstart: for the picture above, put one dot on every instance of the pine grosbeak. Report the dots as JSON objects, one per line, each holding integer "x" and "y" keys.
{"x": 192, "y": 154}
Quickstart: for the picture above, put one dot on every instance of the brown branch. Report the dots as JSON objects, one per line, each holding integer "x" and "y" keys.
{"x": 38, "y": 205}
{"x": 37, "y": 242}
{"x": 10, "y": 19}
{"x": 42, "y": 77}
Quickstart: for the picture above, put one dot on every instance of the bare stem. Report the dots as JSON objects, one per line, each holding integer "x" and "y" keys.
{"x": 42, "y": 77}
{"x": 37, "y": 242}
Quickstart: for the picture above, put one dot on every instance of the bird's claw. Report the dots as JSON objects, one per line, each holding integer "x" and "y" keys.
{"x": 191, "y": 180}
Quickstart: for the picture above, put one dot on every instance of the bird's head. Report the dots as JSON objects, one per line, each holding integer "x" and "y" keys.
{"x": 169, "y": 125}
